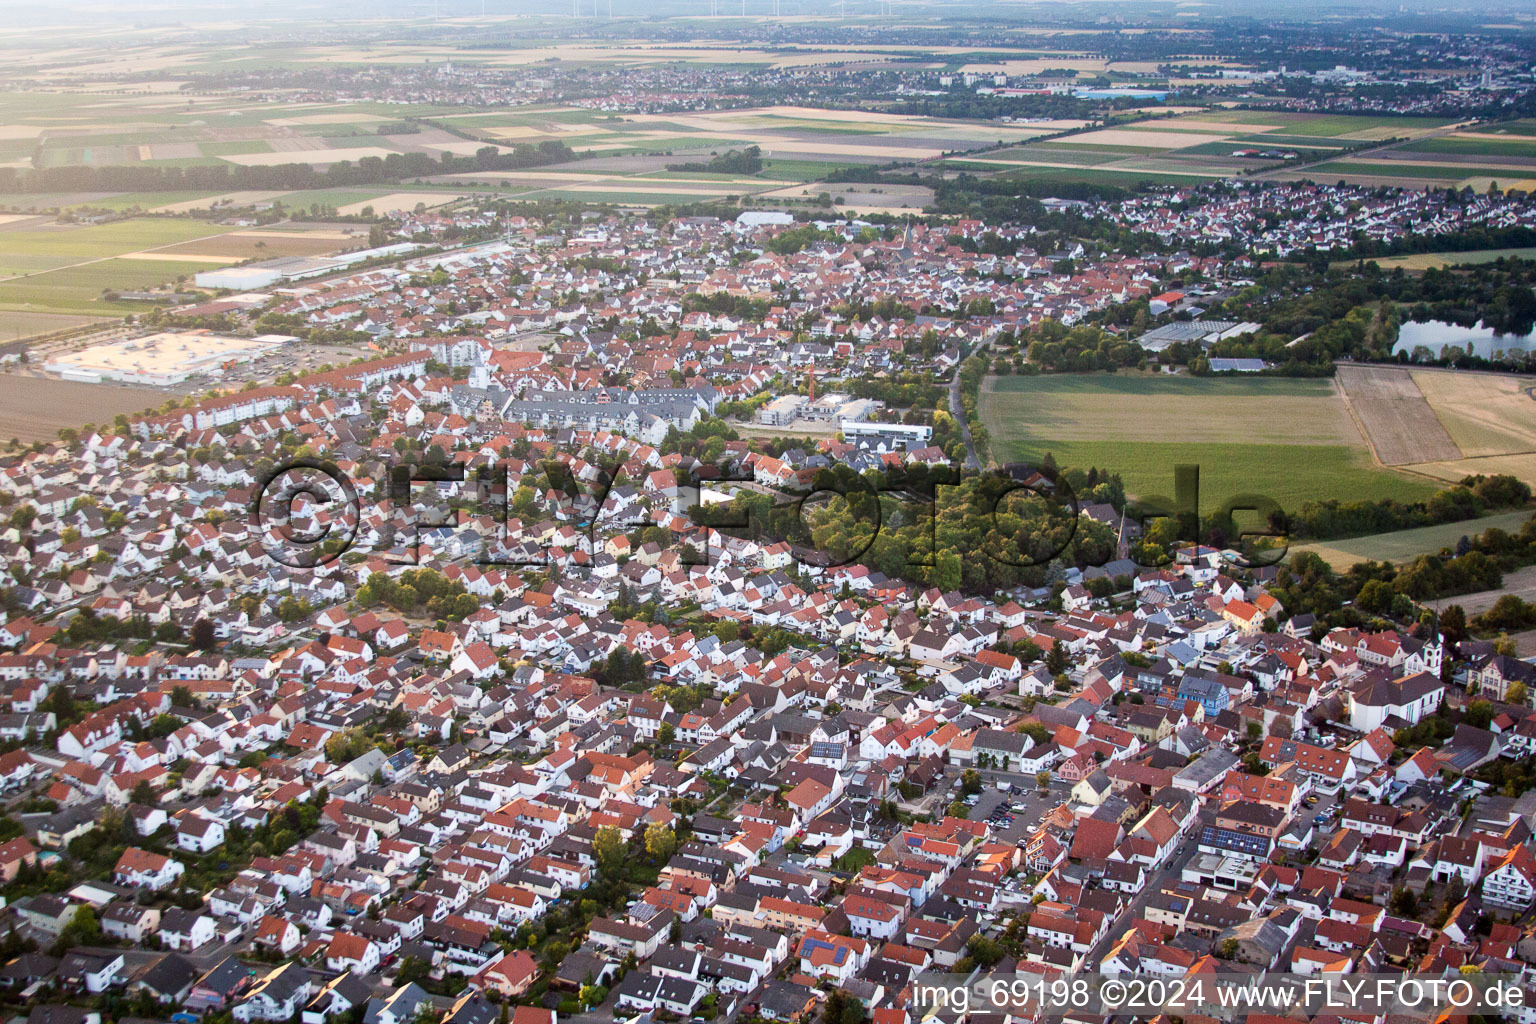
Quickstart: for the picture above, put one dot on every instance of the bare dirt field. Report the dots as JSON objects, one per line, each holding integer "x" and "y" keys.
{"x": 36, "y": 408}
{"x": 1398, "y": 422}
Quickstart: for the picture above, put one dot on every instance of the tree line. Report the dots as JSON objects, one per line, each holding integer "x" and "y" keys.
{"x": 736, "y": 161}
{"x": 1469, "y": 498}
{"x": 370, "y": 170}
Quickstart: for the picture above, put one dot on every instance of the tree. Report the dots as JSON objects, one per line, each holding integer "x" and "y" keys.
{"x": 1056, "y": 660}
{"x": 203, "y": 638}
{"x": 665, "y": 734}
{"x": 842, "y": 1008}
{"x": 1517, "y": 693}
{"x": 1453, "y": 623}
{"x": 660, "y": 842}
{"x": 1227, "y": 950}
{"x": 412, "y": 968}
{"x": 1479, "y": 714}
{"x": 143, "y": 793}
{"x": 608, "y": 847}
{"x": 985, "y": 951}
{"x": 83, "y": 930}
{"x": 1035, "y": 731}
{"x": 970, "y": 781}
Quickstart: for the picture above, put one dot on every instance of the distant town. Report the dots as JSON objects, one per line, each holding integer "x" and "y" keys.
{"x": 533, "y": 519}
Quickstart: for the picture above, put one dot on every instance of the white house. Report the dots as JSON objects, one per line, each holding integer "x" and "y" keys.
{"x": 198, "y": 834}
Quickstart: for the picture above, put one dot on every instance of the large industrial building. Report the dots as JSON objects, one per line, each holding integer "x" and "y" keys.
{"x": 163, "y": 359}
{"x": 295, "y": 268}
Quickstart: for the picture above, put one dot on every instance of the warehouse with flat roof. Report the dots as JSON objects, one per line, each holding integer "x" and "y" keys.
{"x": 162, "y": 359}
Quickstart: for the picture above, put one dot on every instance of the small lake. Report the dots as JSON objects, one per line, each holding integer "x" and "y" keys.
{"x": 1435, "y": 335}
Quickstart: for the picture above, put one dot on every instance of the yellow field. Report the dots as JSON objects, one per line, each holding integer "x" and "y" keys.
{"x": 308, "y": 156}
{"x": 1224, "y": 127}
{"x": 398, "y": 202}
{"x": 358, "y": 118}
{"x": 228, "y": 198}
{"x": 1483, "y": 413}
{"x": 1522, "y": 467}
{"x": 1481, "y": 183}
{"x": 1436, "y": 260}
{"x": 1491, "y": 418}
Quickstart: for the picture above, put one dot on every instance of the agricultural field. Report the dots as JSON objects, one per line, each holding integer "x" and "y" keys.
{"x": 40, "y": 245}
{"x": 893, "y": 199}
{"x": 203, "y": 130}
{"x": 638, "y": 187}
{"x": 46, "y": 267}
{"x": 1521, "y": 466}
{"x": 1404, "y": 545}
{"x": 782, "y": 133}
{"x": 1201, "y": 145}
{"x": 1436, "y": 260}
{"x": 1445, "y": 424}
{"x": 1485, "y": 414}
{"x": 78, "y": 290}
{"x": 36, "y": 408}
{"x": 1478, "y": 143}
{"x": 1397, "y": 419}
{"x": 16, "y": 325}
{"x": 1477, "y": 157}
{"x": 1290, "y": 439}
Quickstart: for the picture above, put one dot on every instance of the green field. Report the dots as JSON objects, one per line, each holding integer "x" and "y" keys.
{"x": 1088, "y": 146}
{"x": 33, "y": 250}
{"x": 1047, "y": 152}
{"x": 1098, "y": 176}
{"x": 235, "y": 148}
{"x": 1289, "y": 474}
{"x": 1281, "y": 139}
{"x": 1526, "y": 126}
{"x": 1397, "y": 170}
{"x": 78, "y": 289}
{"x": 1403, "y": 545}
{"x": 1525, "y": 147}
{"x": 138, "y": 200}
{"x": 1289, "y": 439}
{"x": 1344, "y": 124}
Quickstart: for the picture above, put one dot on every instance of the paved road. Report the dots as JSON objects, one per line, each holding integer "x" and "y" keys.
{"x": 1137, "y": 907}
{"x": 957, "y": 410}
